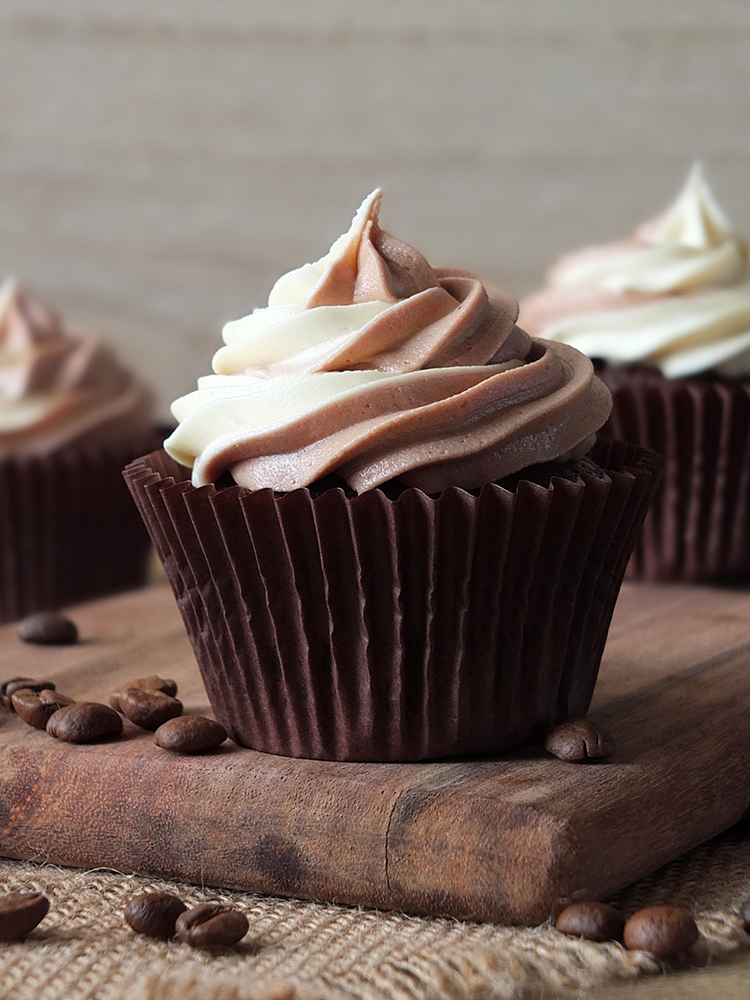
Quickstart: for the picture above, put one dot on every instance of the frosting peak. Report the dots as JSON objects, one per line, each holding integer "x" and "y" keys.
{"x": 695, "y": 220}
{"x": 372, "y": 364}
{"x": 57, "y": 385}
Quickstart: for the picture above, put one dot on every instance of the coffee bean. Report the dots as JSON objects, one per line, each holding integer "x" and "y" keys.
{"x": 36, "y": 707}
{"x": 210, "y": 924}
{"x": 84, "y": 722}
{"x": 20, "y": 912}
{"x": 48, "y": 628}
{"x": 8, "y": 689}
{"x": 148, "y": 709}
{"x": 745, "y": 915}
{"x": 152, "y": 683}
{"x": 154, "y": 914}
{"x": 579, "y": 739}
{"x": 593, "y": 921}
{"x": 664, "y": 931}
{"x": 190, "y": 734}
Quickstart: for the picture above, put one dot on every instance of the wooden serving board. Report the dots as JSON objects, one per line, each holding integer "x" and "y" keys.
{"x": 501, "y": 839}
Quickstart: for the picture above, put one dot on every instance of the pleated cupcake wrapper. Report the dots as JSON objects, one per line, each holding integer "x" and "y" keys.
{"x": 69, "y": 530}
{"x": 699, "y": 526}
{"x": 367, "y": 628}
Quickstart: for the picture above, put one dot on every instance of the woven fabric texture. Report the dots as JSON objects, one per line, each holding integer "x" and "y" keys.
{"x": 83, "y": 950}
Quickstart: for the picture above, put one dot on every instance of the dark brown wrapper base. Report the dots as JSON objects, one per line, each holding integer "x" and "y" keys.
{"x": 70, "y": 531}
{"x": 698, "y": 529}
{"x": 366, "y": 628}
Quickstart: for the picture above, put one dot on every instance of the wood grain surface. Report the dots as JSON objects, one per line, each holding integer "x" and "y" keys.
{"x": 501, "y": 839}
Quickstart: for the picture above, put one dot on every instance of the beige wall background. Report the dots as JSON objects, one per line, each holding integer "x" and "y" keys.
{"x": 163, "y": 161}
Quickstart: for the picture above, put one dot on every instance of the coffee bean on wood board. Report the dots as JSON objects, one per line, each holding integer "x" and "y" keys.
{"x": 211, "y": 924}
{"x": 8, "y": 688}
{"x": 36, "y": 707}
{"x": 579, "y": 740}
{"x": 593, "y": 921}
{"x": 84, "y": 722}
{"x": 152, "y": 683}
{"x": 664, "y": 931}
{"x": 154, "y": 914}
{"x": 48, "y": 628}
{"x": 20, "y": 912}
{"x": 190, "y": 734}
{"x": 148, "y": 709}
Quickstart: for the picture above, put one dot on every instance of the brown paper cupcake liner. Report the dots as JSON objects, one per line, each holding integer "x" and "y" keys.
{"x": 698, "y": 529}
{"x": 369, "y": 628}
{"x": 69, "y": 530}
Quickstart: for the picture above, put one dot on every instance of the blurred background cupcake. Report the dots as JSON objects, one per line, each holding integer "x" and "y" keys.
{"x": 70, "y": 418}
{"x": 666, "y": 315}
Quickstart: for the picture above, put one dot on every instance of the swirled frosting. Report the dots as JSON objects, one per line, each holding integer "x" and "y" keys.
{"x": 675, "y": 296}
{"x": 59, "y": 386}
{"x": 372, "y": 364}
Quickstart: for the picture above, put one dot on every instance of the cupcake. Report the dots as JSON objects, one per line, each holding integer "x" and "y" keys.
{"x": 70, "y": 418}
{"x": 385, "y": 518}
{"x": 666, "y": 315}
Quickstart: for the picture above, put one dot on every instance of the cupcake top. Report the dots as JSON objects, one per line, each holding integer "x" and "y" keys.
{"x": 59, "y": 386}
{"x": 371, "y": 364}
{"x": 675, "y": 296}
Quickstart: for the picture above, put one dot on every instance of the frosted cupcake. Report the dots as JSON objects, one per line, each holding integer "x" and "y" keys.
{"x": 70, "y": 417}
{"x": 667, "y": 314}
{"x": 380, "y": 518}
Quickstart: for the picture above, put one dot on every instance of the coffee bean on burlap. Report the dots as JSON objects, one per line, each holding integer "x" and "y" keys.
{"x": 48, "y": 628}
{"x": 8, "y": 688}
{"x": 84, "y": 722}
{"x": 20, "y": 912}
{"x": 593, "y": 921}
{"x": 190, "y": 734}
{"x": 36, "y": 707}
{"x": 211, "y": 924}
{"x": 148, "y": 709}
{"x": 664, "y": 931}
{"x": 154, "y": 914}
{"x": 151, "y": 683}
{"x": 579, "y": 740}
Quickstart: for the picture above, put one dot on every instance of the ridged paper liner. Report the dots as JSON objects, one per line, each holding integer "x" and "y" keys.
{"x": 69, "y": 530}
{"x": 699, "y": 526}
{"x": 368, "y": 628}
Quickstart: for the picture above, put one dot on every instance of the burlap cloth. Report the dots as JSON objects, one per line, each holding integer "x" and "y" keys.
{"x": 83, "y": 949}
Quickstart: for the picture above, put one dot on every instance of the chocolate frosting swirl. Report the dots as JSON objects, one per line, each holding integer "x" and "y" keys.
{"x": 59, "y": 386}
{"x": 372, "y": 364}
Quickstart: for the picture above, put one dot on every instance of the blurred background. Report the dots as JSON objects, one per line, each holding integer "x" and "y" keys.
{"x": 163, "y": 161}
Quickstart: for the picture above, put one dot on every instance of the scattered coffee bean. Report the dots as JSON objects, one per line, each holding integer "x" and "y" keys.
{"x": 154, "y": 914}
{"x": 36, "y": 707}
{"x": 8, "y": 689}
{"x": 745, "y": 915}
{"x": 84, "y": 722}
{"x": 152, "y": 683}
{"x": 664, "y": 931}
{"x": 48, "y": 628}
{"x": 148, "y": 709}
{"x": 579, "y": 739}
{"x": 190, "y": 734}
{"x": 211, "y": 924}
{"x": 593, "y": 921}
{"x": 20, "y": 912}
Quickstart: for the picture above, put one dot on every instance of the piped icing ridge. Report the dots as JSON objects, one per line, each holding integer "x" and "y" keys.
{"x": 372, "y": 364}
{"x": 59, "y": 386}
{"x": 675, "y": 296}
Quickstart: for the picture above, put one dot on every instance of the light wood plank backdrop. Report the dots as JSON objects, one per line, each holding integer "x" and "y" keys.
{"x": 162, "y": 161}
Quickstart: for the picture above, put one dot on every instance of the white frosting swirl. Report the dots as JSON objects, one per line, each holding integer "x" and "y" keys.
{"x": 675, "y": 296}
{"x": 371, "y": 364}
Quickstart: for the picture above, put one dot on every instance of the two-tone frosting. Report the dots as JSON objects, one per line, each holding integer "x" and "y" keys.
{"x": 371, "y": 364}
{"x": 59, "y": 386}
{"x": 675, "y": 296}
